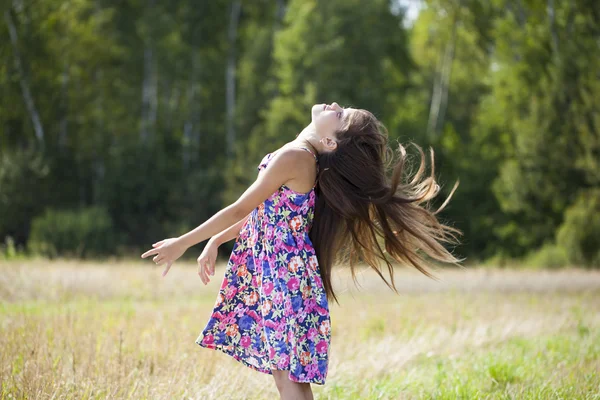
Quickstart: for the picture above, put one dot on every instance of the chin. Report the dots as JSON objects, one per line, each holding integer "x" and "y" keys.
{"x": 316, "y": 110}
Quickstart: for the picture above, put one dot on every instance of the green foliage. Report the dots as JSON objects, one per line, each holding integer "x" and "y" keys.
{"x": 76, "y": 233}
{"x": 548, "y": 256}
{"x": 328, "y": 51}
{"x": 23, "y": 191}
{"x": 132, "y": 100}
{"x": 579, "y": 235}
{"x": 10, "y": 251}
{"x": 540, "y": 81}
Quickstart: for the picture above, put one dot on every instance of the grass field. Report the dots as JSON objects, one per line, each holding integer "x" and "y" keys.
{"x": 73, "y": 330}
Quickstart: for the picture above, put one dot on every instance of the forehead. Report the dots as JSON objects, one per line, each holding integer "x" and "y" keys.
{"x": 348, "y": 112}
{"x": 347, "y": 118}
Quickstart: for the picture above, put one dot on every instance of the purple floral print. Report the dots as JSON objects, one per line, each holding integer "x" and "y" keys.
{"x": 271, "y": 311}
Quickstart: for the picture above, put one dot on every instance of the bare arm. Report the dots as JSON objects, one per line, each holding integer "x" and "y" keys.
{"x": 281, "y": 169}
{"x": 229, "y": 233}
{"x": 207, "y": 260}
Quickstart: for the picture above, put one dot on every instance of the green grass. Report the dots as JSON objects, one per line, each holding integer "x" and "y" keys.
{"x": 121, "y": 331}
{"x": 561, "y": 366}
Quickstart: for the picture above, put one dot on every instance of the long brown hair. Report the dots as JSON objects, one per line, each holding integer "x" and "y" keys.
{"x": 361, "y": 214}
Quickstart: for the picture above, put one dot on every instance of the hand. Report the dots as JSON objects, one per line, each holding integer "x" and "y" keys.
{"x": 207, "y": 260}
{"x": 167, "y": 251}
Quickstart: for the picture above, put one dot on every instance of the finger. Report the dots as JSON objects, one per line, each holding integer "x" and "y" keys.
{"x": 150, "y": 253}
{"x": 167, "y": 269}
{"x": 158, "y": 243}
{"x": 201, "y": 275}
{"x": 200, "y": 264}
{"x": 204, "y": 275}
{"x": 208, "y": 273}
{"x": 212, "y": 268}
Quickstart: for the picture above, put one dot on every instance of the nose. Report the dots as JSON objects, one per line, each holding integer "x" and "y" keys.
{"x": 332, "y": 106}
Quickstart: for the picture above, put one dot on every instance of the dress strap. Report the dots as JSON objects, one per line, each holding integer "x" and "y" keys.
{"x": 316, "y": 160}
{"x": 310, "y": 151}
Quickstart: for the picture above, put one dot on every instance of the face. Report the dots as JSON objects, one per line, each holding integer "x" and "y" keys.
{"x": 329, "y": 119}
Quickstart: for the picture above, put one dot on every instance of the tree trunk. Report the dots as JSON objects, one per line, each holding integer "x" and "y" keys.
{"x": 191, "y": 128}
{"x": 234, "y": 18}
{"x": 279, "y": 14}
{"x": 439, "y": 98}
{"x": 170, "y": 90}
{"x": 521, "y": 14}
{"x": 552, "y": 26}
{"x": 25, "y": 88}
{"x": 149, "y": 94}
{"x": 99, "y": 150}
{"x": 64, "y": 109}
{"x": 149, "y": 85}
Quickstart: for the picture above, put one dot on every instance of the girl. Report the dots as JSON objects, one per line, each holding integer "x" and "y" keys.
{"x": 272, "y": 310}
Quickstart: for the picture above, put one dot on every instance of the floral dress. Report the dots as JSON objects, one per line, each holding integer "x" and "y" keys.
{"x": 272, "y": 311}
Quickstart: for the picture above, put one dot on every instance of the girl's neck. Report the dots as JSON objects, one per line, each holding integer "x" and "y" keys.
{"x": 308, "y": 138}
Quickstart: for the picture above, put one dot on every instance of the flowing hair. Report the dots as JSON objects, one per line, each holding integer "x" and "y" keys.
{"x": 361, "y": 214}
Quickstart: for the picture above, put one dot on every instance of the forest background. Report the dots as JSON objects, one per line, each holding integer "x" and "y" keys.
{"x": 125, "y": 122}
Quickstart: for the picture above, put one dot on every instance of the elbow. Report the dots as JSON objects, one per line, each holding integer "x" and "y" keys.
{"x": 238, "y": 212}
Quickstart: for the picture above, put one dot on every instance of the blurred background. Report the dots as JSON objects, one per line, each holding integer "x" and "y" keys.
{"x": 125, "y": 122}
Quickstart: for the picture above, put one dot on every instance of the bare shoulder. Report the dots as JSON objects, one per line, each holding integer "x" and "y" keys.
{"x": 291, "y": 157}
{"x": 297, "y": 165}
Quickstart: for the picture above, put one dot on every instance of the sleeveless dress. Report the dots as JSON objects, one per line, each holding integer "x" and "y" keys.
{"x": 272, "y": 311}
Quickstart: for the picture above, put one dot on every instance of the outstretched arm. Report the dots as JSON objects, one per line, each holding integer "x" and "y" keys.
{"x": 207, "y": 260}
{"x": 229, "y": 233}
{"x": 280, "y": 170}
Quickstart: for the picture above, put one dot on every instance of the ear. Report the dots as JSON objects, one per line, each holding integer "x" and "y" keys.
{"x": 329, "y": 143}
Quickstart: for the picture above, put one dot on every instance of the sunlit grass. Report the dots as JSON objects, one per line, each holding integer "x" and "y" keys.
{"x": 119, "y": 330}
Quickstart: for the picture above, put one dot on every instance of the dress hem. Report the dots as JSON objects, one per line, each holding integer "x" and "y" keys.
{"x": 255, "y": 368}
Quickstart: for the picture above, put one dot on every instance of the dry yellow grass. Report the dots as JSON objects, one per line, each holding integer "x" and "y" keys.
{"x": 119, "y": 330}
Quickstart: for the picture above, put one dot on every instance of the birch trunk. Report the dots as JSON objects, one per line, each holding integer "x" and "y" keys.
{"x": 439, "y": 98}
{"x": 99, "y": 167}
{"x": 64, "y": 108}
{"x": 234, "y": 17}
{"x": 149, "y": 94}
{"x": 149, "y": 86}
{"x": 25, "y": 87}
{"x": 191, "y": 128}
{"x": 552, "y": 26}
